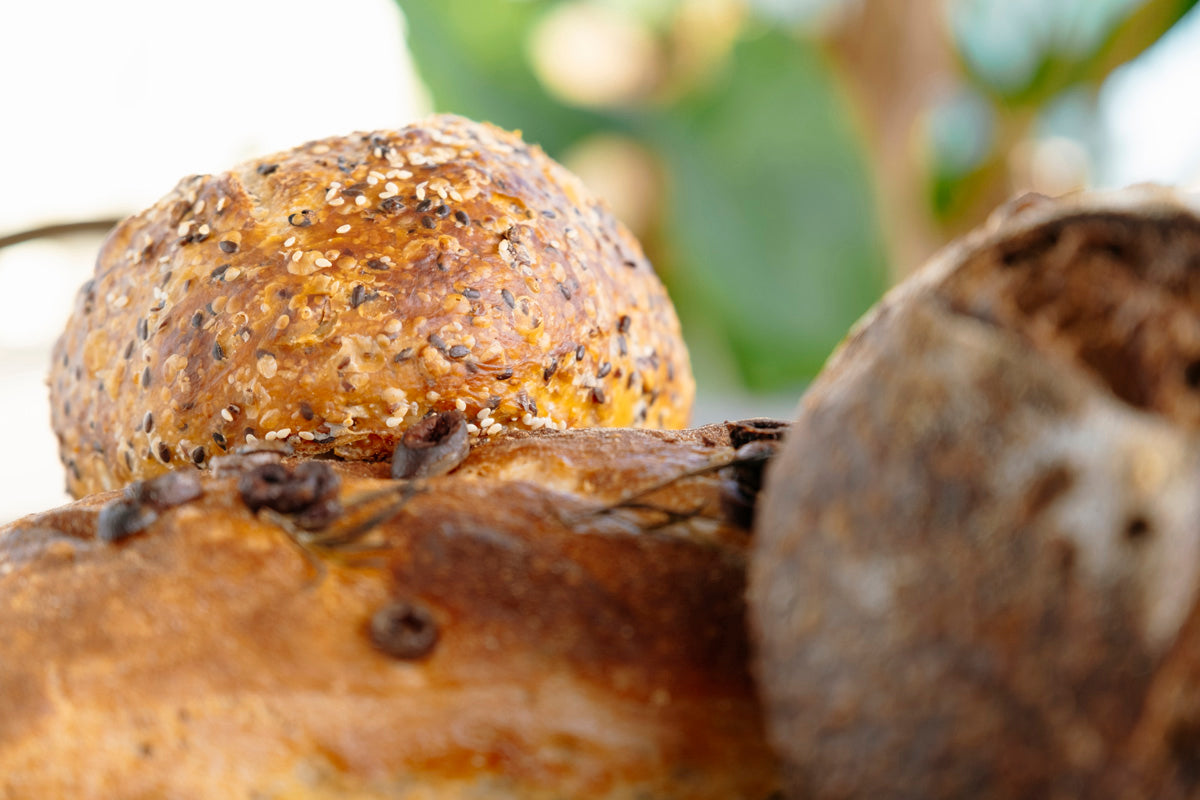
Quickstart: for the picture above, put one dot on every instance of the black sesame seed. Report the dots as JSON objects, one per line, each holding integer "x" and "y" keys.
{"x": 227, "y": 246}
{"x": 302, "y": 219}
{"x": 357, "y": 295}
{"x": 631, "y": 264}
{"x": 442, "y": 211}
{"x": 218, "y": 352}
{"x": 129, "y": 461}
{"x": 471, "y": 294}
{"x": 424, "y": 205}
{"x": 143, "y": 329}
{"x": 403, "y": 355}
{"x": 392, "y": 205}
{"x": 605, "y": 368}
{"x": 146, "y": 378}
{"x": 198, "y": 456}
{"x": 148, "y": 422}
{"x": 623, "y": 323}
{"x": 122, "y": 518}
{"x": 164, "y": 453}
{"x": 462, "y": 217}
{"x": 375, "y": 263}
{"x": 508, "y": 298}
{"x": 219, "y": 438}
{"x": 428, "y": 222}
{"x": 437, "y": 341}
{"x": 580, "y": 352}
{"x": 306, "y": 410}
{"x": 548, "y": 213}
{"x": 550, "y": 370}
{"x": 129, "y": 350}
{"x": 266, "y": 169}
{"x": 566, "y": 293}
{"x": 622, "y": 346}
{"x": 197, "y": 319}
{"x": 218, "y": 273}
{"x": 459, "y": 351}
{"x": 505, "y": 374}
{"x": 597, "y": 394}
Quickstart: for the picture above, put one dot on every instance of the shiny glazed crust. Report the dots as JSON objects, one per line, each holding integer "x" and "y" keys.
{"x": 331, "y": 295}
{"x": 579, "y": 650}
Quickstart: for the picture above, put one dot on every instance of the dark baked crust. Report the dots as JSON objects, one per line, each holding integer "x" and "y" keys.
{"x": 976, "y": 572}
{"x": 575, "y": 652}
{"x": 332, "y": 294}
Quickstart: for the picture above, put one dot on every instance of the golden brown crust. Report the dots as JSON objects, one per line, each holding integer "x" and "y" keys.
{"x": 579, "y": 652}
{"x": 332, "y": 294}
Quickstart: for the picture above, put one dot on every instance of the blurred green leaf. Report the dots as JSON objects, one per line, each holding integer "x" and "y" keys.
{"x": 771, "y": 226}
{"x": 472, "y": 57}
{"x": 1026, "y": 52}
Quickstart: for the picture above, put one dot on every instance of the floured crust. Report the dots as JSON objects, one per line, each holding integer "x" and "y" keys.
{"x": 331, "y": 295}
{"x": 580, "y": 651}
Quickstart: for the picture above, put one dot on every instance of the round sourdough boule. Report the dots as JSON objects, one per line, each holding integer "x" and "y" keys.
{"x": 506, "y": 632}
{"x": 977, "y": 563}
{"x": 331, "y": 295}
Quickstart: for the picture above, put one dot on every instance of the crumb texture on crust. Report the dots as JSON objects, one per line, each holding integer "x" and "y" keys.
{"x": 496, "y": 639}
{"x": 331, "y": 295}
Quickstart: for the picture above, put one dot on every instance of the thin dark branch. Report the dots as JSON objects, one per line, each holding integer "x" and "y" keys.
{"x": 59, "y": 229}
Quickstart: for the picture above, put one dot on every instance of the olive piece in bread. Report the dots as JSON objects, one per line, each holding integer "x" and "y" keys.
{"x": 977, "y": 559}
{"x": 509, "y": 630}
{"x": 332, "y": 295}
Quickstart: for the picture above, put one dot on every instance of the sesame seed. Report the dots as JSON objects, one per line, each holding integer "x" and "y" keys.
{"x": 306, "y": 435}
{"x": 251, "y": 438}
{"x": 221, "y": 204}
{"x": 323, "y": 262}
{"x": 420, "y": 191}
{"x": 232, "y": 273}
{"x": 486, "y": 422}
{"x": 204, "y": 230}
{"x": 288, "y": 242}
{"x": 296, "y": 256}
{"x": 343, "y": 229}
{"x": 199, "y": 207}
{"x": 337, "y": 201}
{"x": 494, "y": 429}
{"x": 319, "y": 149}
{"x": 283, "y": 321}
{"x": 460, "y": 404}
{"x": 372, "y": 180}
{"x": 227, "y": 416}
{"x": 391, "y": 187}
{"x": 361, "y": 200}
{"x": 472, "y": 428}
{"x": 283, "y": 433}
{"x": 392, "y": 422}
{"x": 432, "y": 396}
{"x": 183, "y": 228}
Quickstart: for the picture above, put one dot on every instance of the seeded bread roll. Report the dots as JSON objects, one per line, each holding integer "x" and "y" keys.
{"x": 332, "y": 295}
{"x": 509, "y": 630}
{"x": 987, "y": 584}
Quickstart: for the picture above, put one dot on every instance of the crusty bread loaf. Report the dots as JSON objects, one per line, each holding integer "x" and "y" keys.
{"x": 529, "y": 626}
{"x": 331, "y": 295}
{"x": 978, "y": 563}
